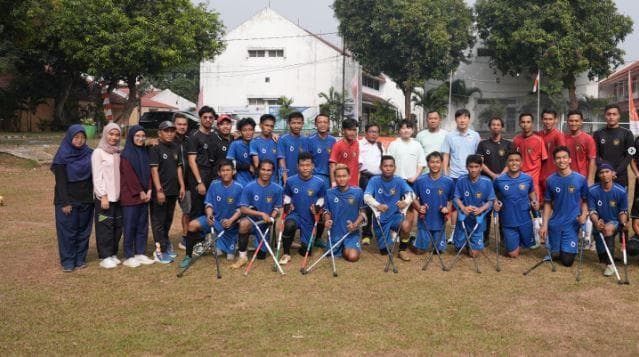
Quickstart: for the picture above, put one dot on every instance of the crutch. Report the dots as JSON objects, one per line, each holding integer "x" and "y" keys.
{"x": 430, "y": 255}
{"x": 206, "y": 246}
{"x": 580, "y": 245}
{"x": 497, "y": 239}
{"x": 310, "y": 241}
{"x": 330, "y": 248}
{"x": 279, "y": 239}
{"x": 390, "y": 262}
{"x": 625, "y": 258}
{"x": 263, "y": 241}
{"x": 543, "y": 260}
{"x": 326, "y": 253}
{"x": 612, "y": 261}
{"x": 461, "y": 217}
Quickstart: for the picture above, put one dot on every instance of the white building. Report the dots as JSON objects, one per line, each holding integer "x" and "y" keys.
{"x": 268, "y": 57}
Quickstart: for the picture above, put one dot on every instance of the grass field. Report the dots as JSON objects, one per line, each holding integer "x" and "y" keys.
{"x": 364, "y": 310}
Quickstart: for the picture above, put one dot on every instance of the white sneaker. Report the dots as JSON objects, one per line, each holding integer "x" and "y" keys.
{"x": 131, "y": 263}
{"x": 285, "y": 259}
{"x": 230, "y": 257}
{"x": 108, "y": 263}
{"x": 116, "y": 260}
{"x": 143, "y": 259}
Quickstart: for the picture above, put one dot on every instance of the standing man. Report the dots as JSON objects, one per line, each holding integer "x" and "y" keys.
{"x": 291, "y": 145}
{"x": 182, "y": 140}
{"x": 615, "y": 145}
{"x": 532, "y": 149}
{"x": 408, "y": 153}
{"x": 552, "y": 138}
{"x": 431, "y": 138}
{"x": 457, "y": 146}
{"x": 264, "y": 147}
{"x": 515, "y": 197}
{"x": 239, "y": 151}
{"x": 346, "y": 151}
{"x": 370, "y": 155}
{"x": 221, "y": 141}
{"x": 495, "y": 150}
{"x": 320, "y": 146}
{"x": 583, "y": 151}
{"x": 566, "y": 197}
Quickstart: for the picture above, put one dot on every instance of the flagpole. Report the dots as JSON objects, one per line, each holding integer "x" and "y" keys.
{"x": 538, "y": 98}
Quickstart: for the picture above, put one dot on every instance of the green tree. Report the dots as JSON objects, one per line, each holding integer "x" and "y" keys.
{"x": 495, "y": 109}
{"x": 561, "y": 38}
{"x": 592, "y": 107}
{"x": 183, "y": 81}
{"x": 434, "y": 99}
{"x": 129, "y": 40}
{"x": 386, "y": 116}
{"x": 409, "y": 40}
{"x": 335, "y": 103}
{"x": 286, "y": 107}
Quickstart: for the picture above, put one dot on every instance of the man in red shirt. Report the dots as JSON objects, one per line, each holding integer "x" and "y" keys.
{"x": 532, "y": 149}
{"x": 552, "y": 139}
{"x": 583, "y": 151}
{"x": 346, "y": 151}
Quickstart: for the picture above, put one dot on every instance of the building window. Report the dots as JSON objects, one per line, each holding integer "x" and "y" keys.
{"x": 370, "y": 82}
{"x": 267, "y": 79}
{"x": 484, "y": 52}
{"x": 271, "y": 52}
{"x": 263, "y": 101}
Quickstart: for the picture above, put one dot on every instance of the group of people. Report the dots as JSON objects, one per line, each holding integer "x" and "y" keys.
{"x": 235, "y": 184}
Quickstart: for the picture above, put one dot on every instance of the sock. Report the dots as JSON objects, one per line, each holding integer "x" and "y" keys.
{"x": 243, "y": 254}
{"x": 288, "y": 241}
{"x": 230, "y": 256}
{"x": 242, "y": 243}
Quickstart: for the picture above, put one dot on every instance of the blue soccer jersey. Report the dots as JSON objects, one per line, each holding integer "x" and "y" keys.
{"x": 387, "y": 192}
{"x": 225, "y": 202}
{"x": 239, "y": 151}
{"x": 289, "y": 148}
{"x": 304, "y": 194}
{"x": 566, "y": 194}
{"x": 513, "y": 193}
{"x": 608, "y": 204}
{"x": 344, "y": 206}
{"x": 262, "y": 198}
{"x": 265, "y": 149}
{"x": 320, "y": 148}
{"x": 436, "y": 194}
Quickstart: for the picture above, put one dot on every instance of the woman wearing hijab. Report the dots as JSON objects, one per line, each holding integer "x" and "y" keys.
{"x": 105, "y": 165}
{"x": 135, "y": 193}
{"x": 73, "y": 198}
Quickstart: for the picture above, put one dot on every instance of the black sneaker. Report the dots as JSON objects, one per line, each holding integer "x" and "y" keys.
{"x": 302, "y": 250}
{"x": 383, "y": 251}
{"x": 261, "y": 255}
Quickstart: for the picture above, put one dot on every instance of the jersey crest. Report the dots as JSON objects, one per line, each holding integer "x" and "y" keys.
{"x": 522, "y": 186}
{"x": 571, "y": 188}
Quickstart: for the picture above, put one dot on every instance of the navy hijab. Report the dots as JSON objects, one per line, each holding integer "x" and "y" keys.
{"x": 138, "y": 157}
{"x": 77, "y": 160}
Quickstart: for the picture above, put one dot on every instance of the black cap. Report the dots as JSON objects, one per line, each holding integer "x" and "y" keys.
{"x": 167, "y": 124}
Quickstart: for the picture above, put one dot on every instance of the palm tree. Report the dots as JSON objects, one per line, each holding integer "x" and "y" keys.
{"x": 435, "y": 99}
{"x": 336, "y": 105}
{"x": 460, "y": 94}
{"x": 285, "y": 106}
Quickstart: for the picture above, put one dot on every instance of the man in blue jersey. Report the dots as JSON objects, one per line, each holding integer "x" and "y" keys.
{"x": 291, "y": 145}
{"x": 320, "y": 145}
{"x": 608, "y": 205}
{"x": 221, "y": 212}
{"x": 264, "y": 146}
{"x": 304, "y": 191}
{"x": 565, "y": 197}
{"x": 474, "y": 196}
{"x": 434, "y": 193}
{"x": 239, "y": 151}
{"x": 384, "y": 196}
{"x": 344, "y": 214}
{"x": 261, "y": 199}
{"x": 516, "y": 195}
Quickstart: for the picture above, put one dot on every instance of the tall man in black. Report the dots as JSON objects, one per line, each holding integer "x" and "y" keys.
{"x": 222, "y": 138}
{"x": 182, "y": 140}
{"x": 201, "y": 161}
{"x": 615, "y": 145}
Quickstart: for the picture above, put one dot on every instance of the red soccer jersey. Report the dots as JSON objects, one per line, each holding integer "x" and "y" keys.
{"x": 582, "y": 149}
{"x": 552, "y": 140}
{"x": 533, "y": 152}
{"x": 348, "y": 154}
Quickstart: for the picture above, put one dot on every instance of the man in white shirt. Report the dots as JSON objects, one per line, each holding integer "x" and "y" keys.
{"x": 370, "y": 156}
{"x": 410, "y": 162}
{"x": 431, "y": 138}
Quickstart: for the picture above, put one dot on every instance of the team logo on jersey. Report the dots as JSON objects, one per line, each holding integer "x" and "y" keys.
{"x": 478, "y": 195}
{"x": 603, "y": 141}
{"x": 296, "y": 190}
{"x": 256, "y": 198}
{"x": 616, "y": 142}
{"x": 392, "y": 191}
{"x": 599, "y": 203}
{"x": 466, "y": 193}
{"x": 205, "y": 146}
{"x": 354, "y": 154}
{"x": 380, "y": 191}
{"x": 487, "y": 152}
{"x": 351, "y": 201}
{"x": 218, "y": 198}
{"x": 301, "y": 149}
{"x": 579, "y": 148}
{"x": 269, "y": 199}
{"x": 223, "y": 148}
{"x": 329, "y": 150}
{"x": 175, "y": 156}
{"x": 336, "y": 200}
{"x": 245, "y": 155}
{"x": 573, "y": 244}
{"x": 263, "y": 151}
{"x": 506, "y": 187}
{"x": 612, "y": 203}
{"x": 319, "y": 150}
{"x": 345, "y": 155}
{"x": 165, "y": 156}
{"x": 632, "y": 150}
{"x": 529, "y": 150}
{"x": 522, "y": 186}
{"x": 557, "y": 189}
{"x": 440, "y": 191}
{"x": 274, "y": 150}
{"x": 428, "y": 191}
{"x": 230, "y": 200}
{"x": 571, "y": 188}
{"x": 502, "y": 152}
{"x": 291, "y": 148}
{"x": 310, "y": 193}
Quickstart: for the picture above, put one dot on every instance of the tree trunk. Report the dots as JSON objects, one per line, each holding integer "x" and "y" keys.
{"x": 131, "y": 102}
{"x": 573, "y": 104}
{"x": 60, "y": 101}
{"x": 408, "y": 91}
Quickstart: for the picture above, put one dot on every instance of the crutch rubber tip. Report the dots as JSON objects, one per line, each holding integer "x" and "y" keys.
{"x": 303, "y": 271}
{"x": 395, "y": 271}
{"x": 334, "y": 275}
{"x": 179, "y": 275}
{"x": 498, "y": 269}
{"x": 554, "y": 269}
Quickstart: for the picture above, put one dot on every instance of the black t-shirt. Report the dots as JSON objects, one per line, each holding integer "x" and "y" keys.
{"x": 615, "y": 146}
{"x": 201, "y": 145}
{"x": 495, "y": 153}
{"x": 218, "y": 151}
{"x": 166, "y": 156}
{"x": 183, "y": 144}
{"x": 66, "y": 192}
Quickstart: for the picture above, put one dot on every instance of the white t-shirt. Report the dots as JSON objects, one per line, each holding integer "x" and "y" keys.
{"x": 408, "y": 155}
{"x": 431, "y": 141}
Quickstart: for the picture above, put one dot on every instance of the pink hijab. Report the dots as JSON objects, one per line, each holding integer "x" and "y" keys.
{"x": 104, "y": 145}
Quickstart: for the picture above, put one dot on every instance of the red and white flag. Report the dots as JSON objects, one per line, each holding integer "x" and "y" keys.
{"x": 535, "y": 87}
{"x": 632, "y": 110}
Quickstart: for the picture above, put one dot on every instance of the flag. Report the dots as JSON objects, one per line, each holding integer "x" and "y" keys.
{"x": 632, "y": 110}
{"x": 536, "y": 83}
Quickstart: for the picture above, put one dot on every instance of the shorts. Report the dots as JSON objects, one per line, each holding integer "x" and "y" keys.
{"x": 520, "y": 236}
{"x": 476, "y": 239}
{"x": 563, "y": 236}
{"x": 227, "y": 242}
{"x": 634, "y": 212}
{"x": 306, "y": 229}
{"x": 391, "y": 225}
{"x": 601, "y": 250}
{"x": 352, "y": 241}
{"x": 426, "y": 237}
{"x": 185, "y": 203}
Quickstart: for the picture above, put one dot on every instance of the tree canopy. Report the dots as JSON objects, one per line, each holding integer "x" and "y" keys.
{"x": 409, "y": 40}
{"x": 559, "y": 37}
